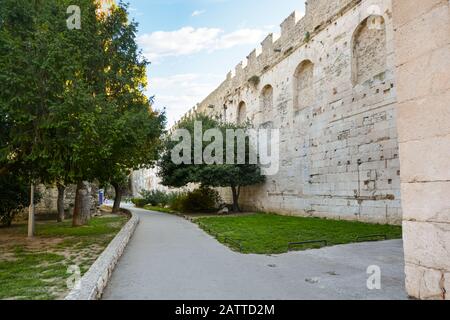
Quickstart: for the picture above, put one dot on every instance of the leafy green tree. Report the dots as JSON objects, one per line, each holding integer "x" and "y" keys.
{"x": 26, "y": 87}
{"x": 234, "y": 176}
{"x": 136, "y": 127}
{"x": 14, "y": 196}
{"x": 72, "y": 107}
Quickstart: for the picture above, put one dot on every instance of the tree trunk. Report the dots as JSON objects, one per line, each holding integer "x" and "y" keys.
{"x": 118, "y": 198}
{"x": 9, "y": 219}
{"x": 82, "y": 210}
{"x": 31, "y": 221}
{"x": 60, "y": 204}
{"x": 236, "y": 191}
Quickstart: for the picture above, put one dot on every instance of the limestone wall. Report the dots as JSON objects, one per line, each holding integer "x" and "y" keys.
{"x": 145, "y": 180}
{"x": 328, "y": 84}
{"x": 49, "y": 194}
{"x": 422, "y": 44}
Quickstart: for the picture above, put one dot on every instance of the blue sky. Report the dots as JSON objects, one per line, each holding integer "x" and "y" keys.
{"x": 193, "y": 44}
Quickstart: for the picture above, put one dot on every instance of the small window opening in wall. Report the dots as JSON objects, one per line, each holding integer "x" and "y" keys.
{"x": 390, "y": 181}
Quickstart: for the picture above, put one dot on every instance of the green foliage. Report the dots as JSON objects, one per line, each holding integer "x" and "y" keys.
{"x": 198, "y": 201}
{"x": 14, "y": 196}
{"x": 135, "y": 140}
{"x": 96, "y": 227}
{"x": 155, "y": 197}
{"x": 40, "y": 270}
{"x": 254, "y": 80}
{"x": 158, "y": 199}
{"x": 158, "y": 209}
{"x": 72, "y": 102}
{"x": 234, "y": 176}
{"x": 49, "y": 87}
{"x": 270, "y": 233}
{"x": 307, "y": 36}
{"x": 139, "y": 202}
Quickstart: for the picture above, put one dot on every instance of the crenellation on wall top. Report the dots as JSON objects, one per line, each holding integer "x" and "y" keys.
{"x": 294, "y": 30}
{"x": 288, "y": 25}
{"x": 240, "y": 67}
{"x": 267, "y": 43}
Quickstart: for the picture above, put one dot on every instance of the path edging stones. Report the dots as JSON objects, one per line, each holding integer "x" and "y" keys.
{"x": 96, "y": 278}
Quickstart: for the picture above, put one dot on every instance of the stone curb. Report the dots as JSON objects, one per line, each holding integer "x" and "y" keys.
{"x": 96, "y": 278}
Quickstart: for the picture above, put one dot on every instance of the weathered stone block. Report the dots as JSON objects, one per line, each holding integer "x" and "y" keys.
{"x": 406, "y": 10}
{"x": 427, "y": 244}
{"x": 426, "y": 201}
{"x": 426, "y": 160}
{"x": 424, "y": 283}
{"x": 424, "y": 118}
{"x": 423, "y": 34}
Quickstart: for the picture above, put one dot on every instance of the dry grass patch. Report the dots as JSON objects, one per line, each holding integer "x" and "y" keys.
{"x": 37, "y": 268}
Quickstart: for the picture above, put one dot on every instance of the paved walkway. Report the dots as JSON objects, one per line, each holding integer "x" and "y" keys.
{"x": 171, "y": 258}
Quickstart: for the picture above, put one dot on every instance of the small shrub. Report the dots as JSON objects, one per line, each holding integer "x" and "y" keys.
{"x": 307, "y": 37}
{"x": 255, "y": 80}
{"x": 138, "y": 202}
{"x": 177, "y": 202}
{"x": 200, "y": 200}
{"x": 175, "y": 199}
{"x": 155, "y": 197}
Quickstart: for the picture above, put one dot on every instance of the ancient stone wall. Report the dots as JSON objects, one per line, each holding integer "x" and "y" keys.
{"x": 422, "y": 42}
{"x": 328, "y": 84}
{"x": 145, "y": 180}
{"x": 49, "y": 194}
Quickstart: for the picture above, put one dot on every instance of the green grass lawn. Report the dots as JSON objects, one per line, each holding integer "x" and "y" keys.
{"x": 37, "y": 269}
{"x": 270, "y": 234}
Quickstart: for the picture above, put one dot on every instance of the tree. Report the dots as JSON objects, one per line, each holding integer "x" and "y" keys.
{"x": 72, "y": 107}
{"x": 217, "y": 174}
{"x": 14, "y": 196}
{"x": 25, "y": 89}
{"x": 136, "y": 128}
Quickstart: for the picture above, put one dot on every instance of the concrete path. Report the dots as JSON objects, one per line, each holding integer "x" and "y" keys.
{"x": 171, "y": 258}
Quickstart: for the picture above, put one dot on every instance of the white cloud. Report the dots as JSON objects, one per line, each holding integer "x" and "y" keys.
{"x": 189, "y": 40}
{"x": 243, "y": 36}
{"x": 197, "y": 13}
{"x": 179, "y": 93}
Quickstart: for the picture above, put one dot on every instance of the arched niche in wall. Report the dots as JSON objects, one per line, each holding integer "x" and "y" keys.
{"x": 266, "y": 99}
{"x": 369, "y": 50}
{"x": 242, "y": 113}
{"x": 303, "y": 85}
